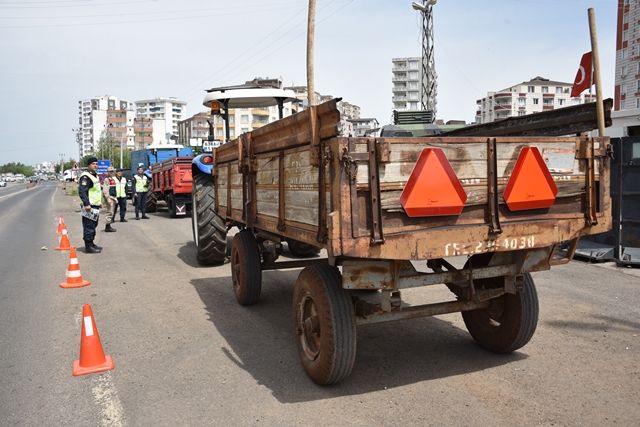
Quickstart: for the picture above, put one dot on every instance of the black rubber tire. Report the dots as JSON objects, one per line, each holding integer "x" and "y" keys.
{"x": 209, "y": 229}
{"x": 171, "y": 206}
{"x": 246, "y": 271}
{"x": 509, "y": 322}
{"x": 152, "y": 202}
{"x": 302, "y": 250}
{"x": 324, "y": 325}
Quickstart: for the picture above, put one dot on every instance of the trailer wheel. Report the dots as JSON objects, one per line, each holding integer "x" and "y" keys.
{"x": 324, "y": 324}
{"x": 302, "y": 250}
{"x": 171, "y": 205}
{"x": 209, "y": 230}
{"x": 509, "y": 322}
{"x": 152, "y": 202}
{"x": 246, "y": 272}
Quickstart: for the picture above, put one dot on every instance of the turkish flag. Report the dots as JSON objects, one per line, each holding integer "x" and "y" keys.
{"x": 584, "y": 75}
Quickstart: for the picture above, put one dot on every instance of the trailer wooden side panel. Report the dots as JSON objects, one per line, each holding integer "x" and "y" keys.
{"x": 270, "y": 179}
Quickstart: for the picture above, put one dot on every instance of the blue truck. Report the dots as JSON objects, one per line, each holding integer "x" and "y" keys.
{"x": 150, "y": 156}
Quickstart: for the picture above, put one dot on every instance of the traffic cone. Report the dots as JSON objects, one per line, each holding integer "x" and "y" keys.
{"x": 92, "y": 357}
{"x": 61, "y": 225}
{"x": 74, "y": 278}
{"x": 64, "y": 244}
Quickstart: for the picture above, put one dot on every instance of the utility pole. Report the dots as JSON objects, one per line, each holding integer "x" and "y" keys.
{"x": 429, "y": 83}
{"x": 311, "y": 29}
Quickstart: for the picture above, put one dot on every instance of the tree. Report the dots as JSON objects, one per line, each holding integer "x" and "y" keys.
{"x": 16, "y": 168}
{"x": 67, "y": 165}
{"x": 109, "y": 149}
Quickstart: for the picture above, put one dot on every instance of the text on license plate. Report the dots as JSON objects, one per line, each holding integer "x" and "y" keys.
{"x": 503, "y": 244}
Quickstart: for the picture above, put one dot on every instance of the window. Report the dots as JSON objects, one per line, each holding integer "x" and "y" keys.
{"x": 522, "y": 113}
{"x": 522, "y": 102}
{"x": 637, "y": 102}
{"x": 635, "y": 150}
{"x": 623, "y": 53}
{"x": 536, "y": 101}
{"x": 545, "y": 89}
{"x": 638, "y": 83}
{"x": 625, "y": 36}
{"x": 244, "y": 119}
{"x": 623, "y": 71}
{"x": 531, "y": 89}
{"x": 547, "y": 101}
{"x": 561, "y": 102}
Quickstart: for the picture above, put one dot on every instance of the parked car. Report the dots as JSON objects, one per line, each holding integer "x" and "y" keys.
{"x": 3, "y": 184}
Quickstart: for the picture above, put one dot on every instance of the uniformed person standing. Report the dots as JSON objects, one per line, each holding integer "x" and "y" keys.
{"x": 110, "y": 199}
{"x": 140, "y": 187}
{"x": 121, "y": 195}
{"x": 91, "y": 197}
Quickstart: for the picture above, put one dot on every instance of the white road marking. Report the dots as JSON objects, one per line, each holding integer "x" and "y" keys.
{"x": 106, "y": 397}
{"x": 17, "y": 192}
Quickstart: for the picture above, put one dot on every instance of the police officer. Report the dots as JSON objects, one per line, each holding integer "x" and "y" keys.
{"x": 91, "y": 197}
{"x": 110, "y": 199}
{"x": 121, "y": 195}
{"x": 140, "y": 187}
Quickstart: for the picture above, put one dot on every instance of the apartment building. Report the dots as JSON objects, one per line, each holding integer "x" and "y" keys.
{"x": 194, "y": 130}
{"x": 171, "y": 110}
{"x": 533, "y": 96}
{"x": 101, "y": 116}
{"x": 405, "y": 79}
{"x": 364, "y": 126}
{"x": 627, "y": 80}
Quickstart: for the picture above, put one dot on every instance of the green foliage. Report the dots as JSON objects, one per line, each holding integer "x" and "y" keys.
{"x": 109, "y": 149}
{"x": 15, "y": 168}
{"x": 67, "y": 165}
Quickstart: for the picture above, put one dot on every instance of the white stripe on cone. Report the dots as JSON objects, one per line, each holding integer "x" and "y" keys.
{"x": 74, "y": 273}
{"x": 73, "y": 261}
{"x": 88, "y": 326}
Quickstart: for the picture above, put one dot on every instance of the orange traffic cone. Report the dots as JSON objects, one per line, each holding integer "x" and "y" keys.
{"x": 92, "y": 357}
{"x": 61, "y": 225}
{"x": 74, "y": 278}
{"x": 65, "y": 244}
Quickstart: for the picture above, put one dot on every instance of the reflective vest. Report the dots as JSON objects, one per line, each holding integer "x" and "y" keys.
{"x": 141, "y": 184}
{"x": 121, "y": 187}
{"x": 95, "y": 195}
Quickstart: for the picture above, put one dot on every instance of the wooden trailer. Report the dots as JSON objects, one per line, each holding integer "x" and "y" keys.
{"x": 296, "y": 180}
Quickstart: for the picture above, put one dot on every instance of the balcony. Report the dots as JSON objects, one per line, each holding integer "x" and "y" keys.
{"x": 398, "y": 98}
{"x": 547, "y": 107}
{"x": 502, "y": 95}
{"x": 499, "y": 107}
{"x": 260, "y": 112}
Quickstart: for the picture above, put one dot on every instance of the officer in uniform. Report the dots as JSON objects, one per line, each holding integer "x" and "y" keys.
{"x": 91, "y": 197}
{"x": 110, "y": 197}
{"x": 140, "y": 187}
{"x": 121, "y": 195}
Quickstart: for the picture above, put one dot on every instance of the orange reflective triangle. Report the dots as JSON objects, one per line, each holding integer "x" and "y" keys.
{"x": 433, "y": 188}
{"x": 530, "y": 186}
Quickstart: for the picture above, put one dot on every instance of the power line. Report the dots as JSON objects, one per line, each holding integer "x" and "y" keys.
{"x": 137, "y": 21}
{"x": 163, "y": 12}
{"x": 222, "y": 75}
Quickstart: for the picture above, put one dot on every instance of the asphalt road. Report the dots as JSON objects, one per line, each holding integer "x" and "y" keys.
{"x": 187, "y": 354}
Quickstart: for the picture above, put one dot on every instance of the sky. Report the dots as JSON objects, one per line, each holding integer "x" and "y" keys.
{"x": 57, "y": 52}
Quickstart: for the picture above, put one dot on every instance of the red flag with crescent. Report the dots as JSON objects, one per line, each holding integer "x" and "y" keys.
{"x": 584, "y": 75}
